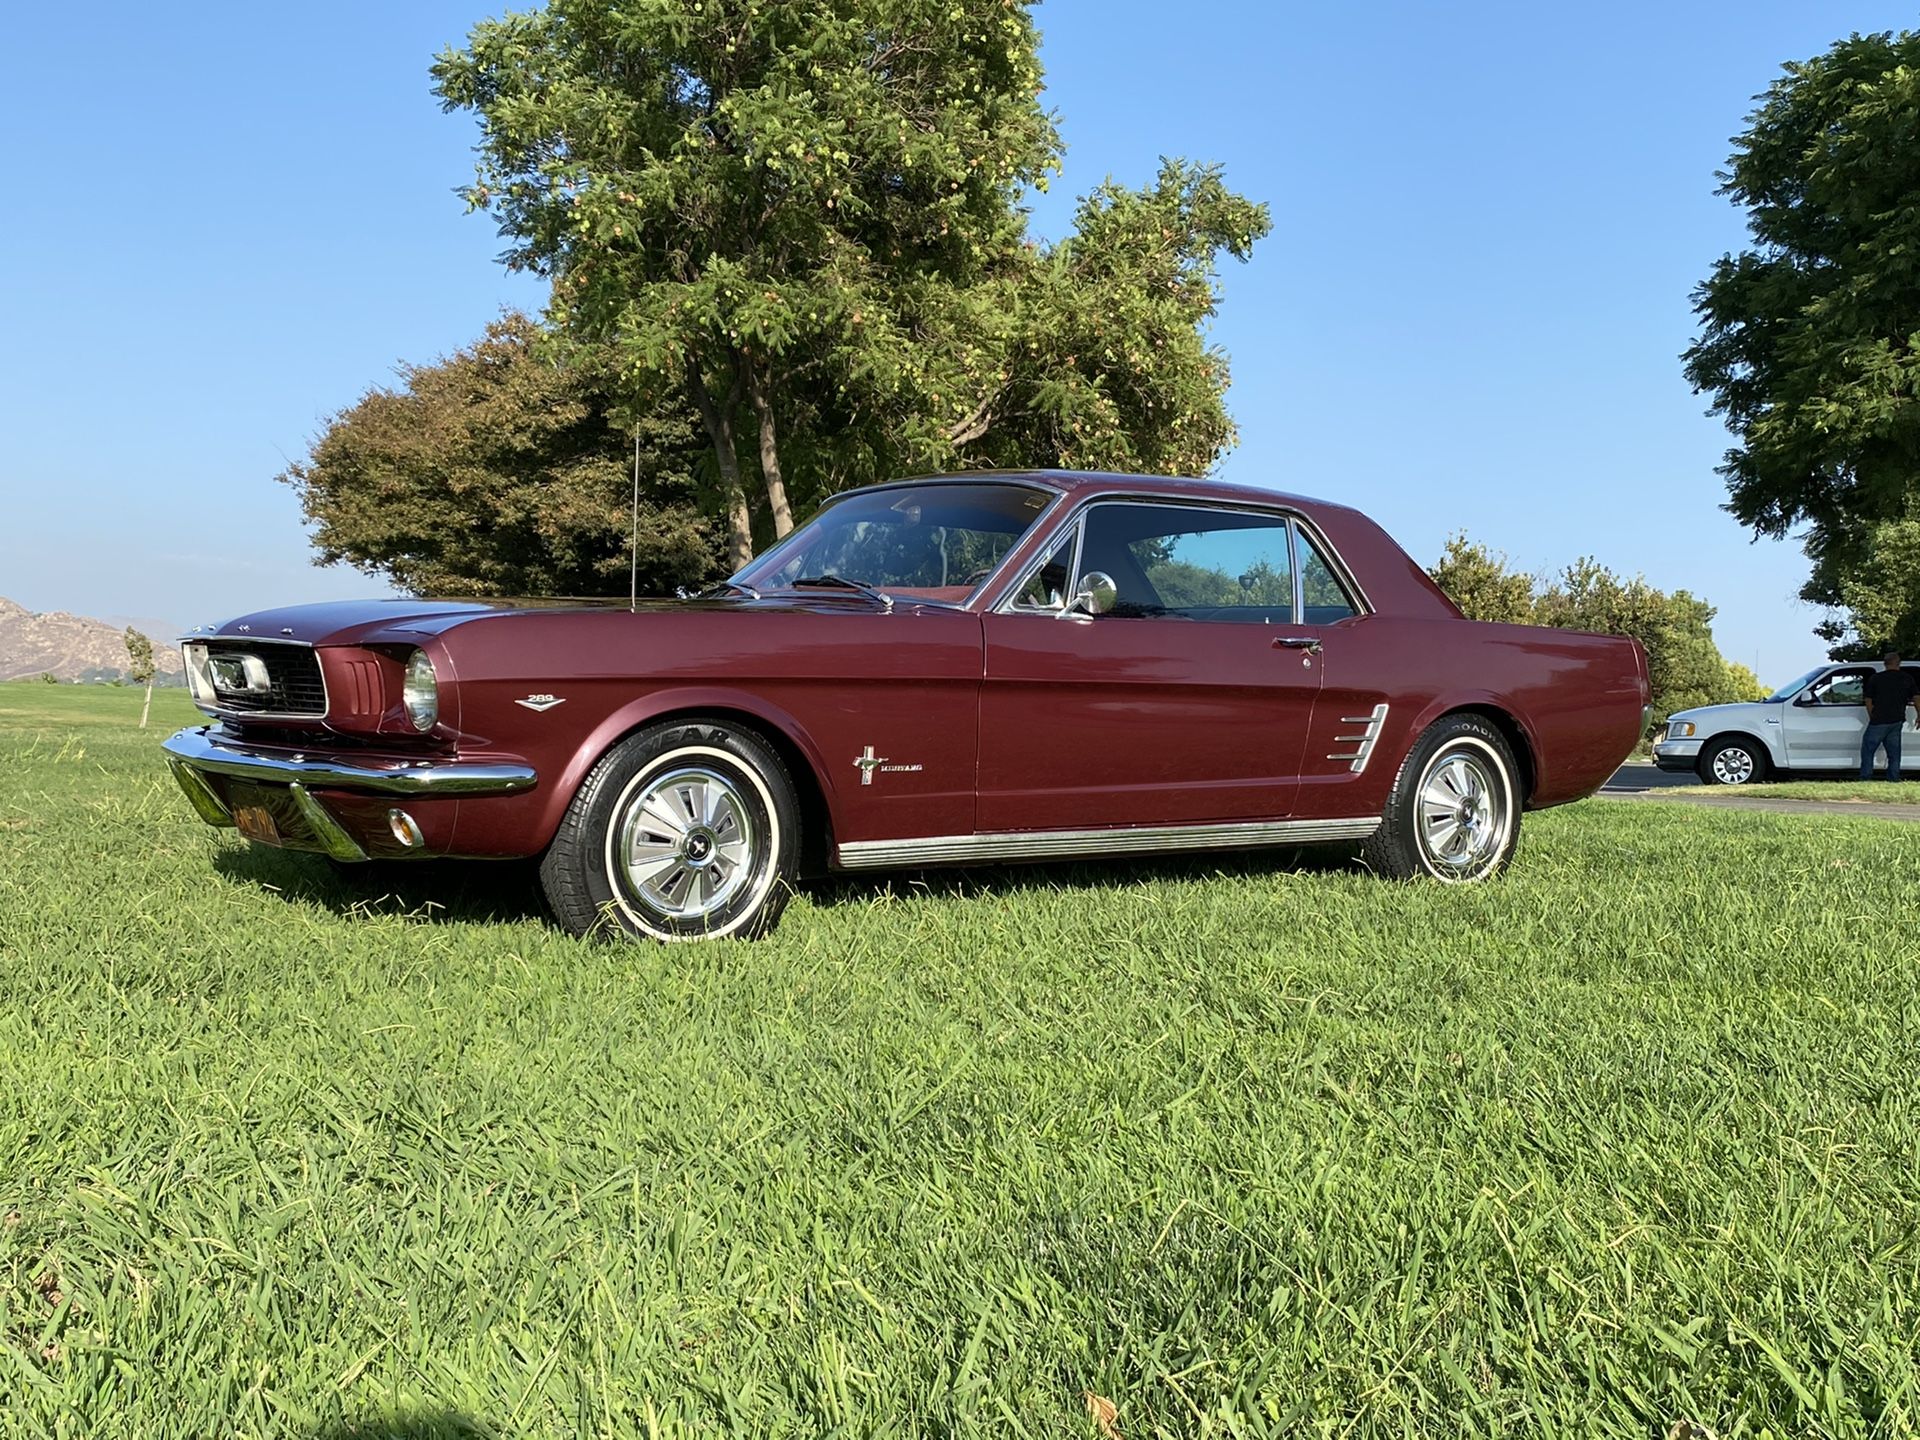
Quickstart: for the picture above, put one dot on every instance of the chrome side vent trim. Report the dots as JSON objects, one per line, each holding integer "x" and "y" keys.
{"x": 1364, "y": 742}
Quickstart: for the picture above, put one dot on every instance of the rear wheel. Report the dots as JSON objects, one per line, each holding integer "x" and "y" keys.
{"x": 1735, "y": 760}
{"x": 681, "y": 832}
{"x": 1454, "y": 811}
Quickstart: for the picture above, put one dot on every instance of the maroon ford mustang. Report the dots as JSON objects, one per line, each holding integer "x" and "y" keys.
{"x": 986, "y": 667}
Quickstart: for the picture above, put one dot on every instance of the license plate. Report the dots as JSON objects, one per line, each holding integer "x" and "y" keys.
{"x": 255, "y": 823}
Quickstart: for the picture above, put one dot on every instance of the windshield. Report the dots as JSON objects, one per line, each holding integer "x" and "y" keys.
{"x": 935, "y": 542}
{"x": 1787, "y": 692}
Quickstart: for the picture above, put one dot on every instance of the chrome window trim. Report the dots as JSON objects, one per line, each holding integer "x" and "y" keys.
{"x": 996, "y": 846}
{"x": 1067, "y": 535}
{"x": 221, "y": 712}
{"x": 1295, "y": 519}
{"x": 1018, "y": 480}
{"x": 1342, "y": 574}
{"x": 1293, "y": 564}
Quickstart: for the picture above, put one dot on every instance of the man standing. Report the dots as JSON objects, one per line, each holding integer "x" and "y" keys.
{"x": 1889, "y": 694}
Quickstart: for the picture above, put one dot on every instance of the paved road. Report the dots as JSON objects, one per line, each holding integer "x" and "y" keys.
{"x": 1645, "y": 782}
{"x": 1638, "y": 777}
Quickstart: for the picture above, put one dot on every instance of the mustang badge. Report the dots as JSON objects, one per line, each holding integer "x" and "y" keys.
{"x": 870, "y": 762}
{"x": 542, "y": 702}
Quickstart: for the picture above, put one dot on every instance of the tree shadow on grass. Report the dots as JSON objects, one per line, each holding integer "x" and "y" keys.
{"x": 427, "y": 891}
{"x": 508, "y": 891}
{"x": 409, "y": 1425}
{"x": 1120, "y": 872}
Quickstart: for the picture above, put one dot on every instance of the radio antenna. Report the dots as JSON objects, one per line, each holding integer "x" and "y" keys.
{"x": 633, "y": 544}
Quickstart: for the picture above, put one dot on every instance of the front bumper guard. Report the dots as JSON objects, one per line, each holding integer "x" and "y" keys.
{"x": 194, "y": 753}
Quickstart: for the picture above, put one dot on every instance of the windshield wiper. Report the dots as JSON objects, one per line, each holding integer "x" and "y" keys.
{"x": 725, "y": 588}
{"x": 841, "y": 582}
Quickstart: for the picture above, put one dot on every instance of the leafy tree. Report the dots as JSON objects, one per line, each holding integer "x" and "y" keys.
{"x": 1483, "y": 584}
{"x": 140, "y": 668}
{"x": 1807, "y": 336}
{"x": 1744, "y": 684}
{"x": 801, "y": 220}
{"x": 501, "y": 471}
{"x": 1881, "y": 591}
{"x": 1088, "y": 354}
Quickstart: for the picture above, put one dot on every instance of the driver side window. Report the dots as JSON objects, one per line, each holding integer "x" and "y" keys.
{"x": 1844, "y": 687}
{"x": 1192, "y": 562}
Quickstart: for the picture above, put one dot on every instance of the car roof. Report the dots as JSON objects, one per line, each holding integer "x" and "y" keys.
{"x": 1078, "y": 483}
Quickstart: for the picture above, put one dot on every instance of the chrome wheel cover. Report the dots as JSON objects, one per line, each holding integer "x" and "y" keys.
{"x": 686, "y": 844}
{"x": 1733, "y": 765}
{"x": 1464, "y": 814}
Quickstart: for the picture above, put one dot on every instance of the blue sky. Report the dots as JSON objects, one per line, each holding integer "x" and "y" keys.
{"x": 228, "y": 221}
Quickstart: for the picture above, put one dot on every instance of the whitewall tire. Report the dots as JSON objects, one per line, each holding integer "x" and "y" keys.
{"x": 1454, "y": 812}
{"x": 683, "y": 831}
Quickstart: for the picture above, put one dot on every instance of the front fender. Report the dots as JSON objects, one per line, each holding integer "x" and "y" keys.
{"x": 644, "y": 710}
{"x": 1771, "y": 739}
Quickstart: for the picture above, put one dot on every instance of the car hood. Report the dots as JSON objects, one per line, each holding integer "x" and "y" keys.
{"x": 400, "y": 619}
{"x": 1735, "y": 712}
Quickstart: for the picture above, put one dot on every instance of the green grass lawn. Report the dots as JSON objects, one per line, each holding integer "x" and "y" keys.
{"x": 1245, "y": 1147}
{"x": 1877, "y": 792}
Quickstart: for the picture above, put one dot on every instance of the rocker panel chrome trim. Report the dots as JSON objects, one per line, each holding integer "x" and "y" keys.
{"x": 1123, "y": 840}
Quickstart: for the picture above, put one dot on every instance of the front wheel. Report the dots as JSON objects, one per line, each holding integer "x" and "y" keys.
{"x": 1454, "y": 812}
{"x": 1733, "y": 761}
{"x": 681, "y": 832}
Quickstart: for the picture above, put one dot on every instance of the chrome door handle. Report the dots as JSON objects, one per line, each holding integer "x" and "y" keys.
{"x": 1297, "y": 642}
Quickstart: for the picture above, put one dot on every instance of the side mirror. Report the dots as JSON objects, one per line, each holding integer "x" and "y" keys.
{"x": 1096, "y": 596}
{"x": 1805, "y": 697}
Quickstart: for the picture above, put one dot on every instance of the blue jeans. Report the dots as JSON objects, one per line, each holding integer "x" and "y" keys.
{"x": 1870, "y": 743}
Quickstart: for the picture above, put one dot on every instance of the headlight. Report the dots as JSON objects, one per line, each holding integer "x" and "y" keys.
{"x": 421, "y": 692}
{"x": 1679, "y": 730}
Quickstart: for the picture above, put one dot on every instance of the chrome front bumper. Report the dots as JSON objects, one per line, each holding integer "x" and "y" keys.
{"x": 195, "y": 753}
{"x": 1677, "y": 754}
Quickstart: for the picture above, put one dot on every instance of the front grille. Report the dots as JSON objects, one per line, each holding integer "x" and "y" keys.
{"x": 294, "y": 686}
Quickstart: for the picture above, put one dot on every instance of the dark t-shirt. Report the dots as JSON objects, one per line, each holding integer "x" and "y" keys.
{"x": 1889, "y": 693}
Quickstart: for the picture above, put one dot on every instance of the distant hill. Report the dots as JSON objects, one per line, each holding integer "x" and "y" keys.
{"x": 72, "y": 647}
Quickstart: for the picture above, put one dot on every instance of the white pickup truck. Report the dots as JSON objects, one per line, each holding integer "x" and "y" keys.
{"x": 1814, "y": 724}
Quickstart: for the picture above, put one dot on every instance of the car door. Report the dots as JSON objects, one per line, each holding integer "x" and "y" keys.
{"x": 1188, "y": 702}
{"x": 1823, "y": 724}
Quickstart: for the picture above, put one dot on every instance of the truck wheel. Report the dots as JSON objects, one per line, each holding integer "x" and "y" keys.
{"x": 1454, "y": 811}
{"x": 1733, "y": 761}
{"x": 681, "y": 832}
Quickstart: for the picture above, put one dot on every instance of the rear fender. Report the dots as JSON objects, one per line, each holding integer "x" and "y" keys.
{"x": 1482, "y": 700}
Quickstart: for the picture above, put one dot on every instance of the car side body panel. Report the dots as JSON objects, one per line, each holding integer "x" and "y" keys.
{"x": 1066, "y": 700}
{"x": 833, "y": 679}
{"x": 1570, "y": 703}
{"x": 917, "y": 720}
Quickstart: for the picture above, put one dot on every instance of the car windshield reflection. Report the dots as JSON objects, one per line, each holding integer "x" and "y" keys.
{"x": 935, "y": 542}
{"x": 1787, "y": 692}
